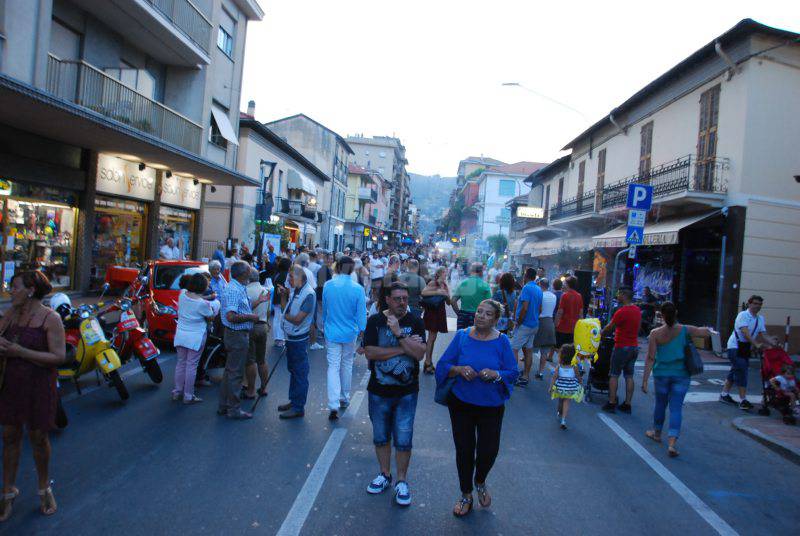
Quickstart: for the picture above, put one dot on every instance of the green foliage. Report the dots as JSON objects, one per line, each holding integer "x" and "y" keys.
{"x": 498, "y": 243}
{"x": 475, "y": 173}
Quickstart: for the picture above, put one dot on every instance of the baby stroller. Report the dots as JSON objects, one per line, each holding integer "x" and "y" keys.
{"x": 598, "y": 373}
{"x": 772, "y": 361}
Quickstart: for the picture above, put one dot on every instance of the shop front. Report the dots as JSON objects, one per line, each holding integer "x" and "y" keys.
{"x": 177, "y": 215}
{"x": 38, "y": 226}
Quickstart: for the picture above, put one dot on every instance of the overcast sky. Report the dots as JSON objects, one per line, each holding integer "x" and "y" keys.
{"x": 430, "y": 72}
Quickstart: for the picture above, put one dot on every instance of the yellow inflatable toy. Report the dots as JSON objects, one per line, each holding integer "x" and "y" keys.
{"x": 587, "y": 339}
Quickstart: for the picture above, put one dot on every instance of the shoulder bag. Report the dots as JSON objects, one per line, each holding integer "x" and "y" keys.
{"x": 443, "y": 389}
{"x": 744, "y": 348}
{"x": 691, "y": 357}
{"x": 503, "y": 321}
{"x": 432, "y": 302}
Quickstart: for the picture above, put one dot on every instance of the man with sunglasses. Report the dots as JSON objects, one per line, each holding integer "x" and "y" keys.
{"x": 394, "y": 344}
{"x": 748, "y": 330}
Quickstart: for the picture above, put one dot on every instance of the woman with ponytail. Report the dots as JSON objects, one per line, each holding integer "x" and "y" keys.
{"x": 665, "y": 359}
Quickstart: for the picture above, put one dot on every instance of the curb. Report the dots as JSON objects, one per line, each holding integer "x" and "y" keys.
{"x": 787, "y": 451}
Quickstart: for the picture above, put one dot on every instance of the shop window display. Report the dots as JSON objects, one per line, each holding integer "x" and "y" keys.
{"x": 37, "y": 234}
{"x": 176, "y": 224}
{"x": 119, "y": 235}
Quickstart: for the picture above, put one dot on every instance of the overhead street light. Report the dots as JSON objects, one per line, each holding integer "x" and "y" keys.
{"x": 554, "y": 101}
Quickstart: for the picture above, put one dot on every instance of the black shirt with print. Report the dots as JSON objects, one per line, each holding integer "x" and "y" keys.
{"x": 399, "y": 375}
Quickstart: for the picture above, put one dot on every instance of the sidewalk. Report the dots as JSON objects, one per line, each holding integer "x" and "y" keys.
{"x": 782, "y": 438}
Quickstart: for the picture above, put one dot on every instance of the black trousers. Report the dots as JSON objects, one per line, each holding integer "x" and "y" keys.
{"x": 476, "y": 434}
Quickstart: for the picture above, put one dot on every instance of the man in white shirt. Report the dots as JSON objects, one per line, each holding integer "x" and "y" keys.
{"x": 313, "y": 265}
{"x": 169, "y": 252}
{"x": 377, "y": 269}
{"x": 749, "y": 328}
{"x": 545, "y": 340}
{"x": 257, "y": 351}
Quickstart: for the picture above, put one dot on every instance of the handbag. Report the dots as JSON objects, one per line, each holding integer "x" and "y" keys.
{"x": 442, "y": 393}
{"x": 503, "y": 323}
{"x": 691, "y": 357}
{"x": 432, "y": 302}
{"x": 744, "y": 349}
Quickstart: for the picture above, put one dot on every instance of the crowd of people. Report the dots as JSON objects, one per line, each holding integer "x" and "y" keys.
{"x": 389, "y": 306}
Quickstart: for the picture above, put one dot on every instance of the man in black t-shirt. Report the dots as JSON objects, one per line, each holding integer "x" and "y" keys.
{"x": 394, "y": 344}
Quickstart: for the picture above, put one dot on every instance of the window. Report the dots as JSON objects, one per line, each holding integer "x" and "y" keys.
{"x": 280, "y": 182}
{"x": 601, "y": 178}
{"x": 225, "y": 42}
{"x": 215, "y": 135}
{"x": 507, "y": 188}
{"x": 707, "y": 138}
{"x": 382, "y": 154}
{"x": 645, "y": 150}
{"x": 581, "y": 183}
{"x": 560, "y": 190}
{"x": 546, "y": 200}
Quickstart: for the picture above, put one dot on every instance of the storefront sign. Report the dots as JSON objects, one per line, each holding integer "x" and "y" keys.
{"x": 180, "y": 192}
{"x": 530, "y": 212}
{"x": 120, "y": 177}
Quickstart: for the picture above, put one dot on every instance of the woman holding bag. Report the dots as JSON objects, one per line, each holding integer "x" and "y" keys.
{"x": 506, "y": 294}
{"x": 435, "y": 297}
{"x": 480, "y": 370}
{"x": 666, "y": 358}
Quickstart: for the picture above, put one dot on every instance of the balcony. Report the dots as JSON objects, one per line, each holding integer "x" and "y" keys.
{"x": 678, "y": 181}
{"x": 367, "y": 194}
{"x": 296, "y": 208}
{"x": 573, "y": 207}
{"x": 174, "y": 32}
{"x": 87, "y": 86}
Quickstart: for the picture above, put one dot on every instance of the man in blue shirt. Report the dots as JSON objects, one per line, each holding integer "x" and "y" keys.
{"x": 237, "y": 316}
{"x": 344, "y": 316}
{"x": 529, "y": 306}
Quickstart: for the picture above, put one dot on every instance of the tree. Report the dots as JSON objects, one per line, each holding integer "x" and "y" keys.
{"x": 498, "y": 243}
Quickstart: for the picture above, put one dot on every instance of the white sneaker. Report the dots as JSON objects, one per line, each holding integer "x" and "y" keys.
{"x": 402, "y": 495}
{"x": 380, "y": 483}
{"x": 316, "y": 346}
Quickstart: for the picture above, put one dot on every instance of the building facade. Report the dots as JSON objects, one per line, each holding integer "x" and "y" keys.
{"x": 711, "y": 137}
{"x": 496, "y": 186}
{"x": 108, "y": 139}
{"x": 329, "y": 152}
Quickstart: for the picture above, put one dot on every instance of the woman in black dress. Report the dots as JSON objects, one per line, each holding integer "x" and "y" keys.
{"x": 435, "y": 318}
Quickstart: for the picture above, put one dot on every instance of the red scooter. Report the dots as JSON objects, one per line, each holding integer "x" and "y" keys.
{"x": 129, "y": 339}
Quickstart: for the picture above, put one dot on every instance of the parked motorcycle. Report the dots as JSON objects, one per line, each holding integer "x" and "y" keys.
{"x": 129, "y": 339}
{"x": 88, "y": 348}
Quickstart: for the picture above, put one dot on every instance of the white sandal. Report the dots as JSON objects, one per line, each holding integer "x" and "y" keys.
{"x": 46, "y": 496}
{"x": 8, "y": 503}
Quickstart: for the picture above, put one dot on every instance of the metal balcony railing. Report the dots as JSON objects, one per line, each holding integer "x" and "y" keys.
{"x": 297, "y": 208}
{"x": 88, "y": 86}
{"x": 187, "y": 18}
{"x": 686, "y": 174}
{"x": 367, "y": 194}
{"x": 576, "y": 206}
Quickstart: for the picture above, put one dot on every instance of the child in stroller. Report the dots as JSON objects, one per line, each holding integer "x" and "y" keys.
{"x": 779, "y": 384}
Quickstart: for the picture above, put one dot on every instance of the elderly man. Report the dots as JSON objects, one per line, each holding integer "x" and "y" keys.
{"x": 344, "y": 315}
{"x": 217, "y": 282}
{"x": 170, "y": 252}
{"x": 219, "y": 253}
{"x": 237, "y": 317}
{"x": 298, "y": 307}
{"x": 257, "y": 354}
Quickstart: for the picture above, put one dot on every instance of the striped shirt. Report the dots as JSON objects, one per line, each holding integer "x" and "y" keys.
{"x": 234, "y": 298}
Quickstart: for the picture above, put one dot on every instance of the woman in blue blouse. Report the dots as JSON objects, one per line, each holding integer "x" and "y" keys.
{"x": 481, "y": 360}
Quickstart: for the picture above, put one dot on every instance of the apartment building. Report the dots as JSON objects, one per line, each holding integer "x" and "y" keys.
{"x": 496, "y": 186}
{"x": 465, "y": 194}
{"x": 715, "y": 138}
{"x": 291, "y": 185}
{"x": 331, "y": 153}
{"x": 368, "y": 207}
{"x": 387, "y": 156}
{"x": 113, "y": 117}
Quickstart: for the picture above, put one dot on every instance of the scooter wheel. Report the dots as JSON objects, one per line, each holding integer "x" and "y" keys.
{"x": 153, "y": 369}
{"x": 116, "y": 381}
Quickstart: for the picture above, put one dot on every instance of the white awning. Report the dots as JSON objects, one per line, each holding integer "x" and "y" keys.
{"x": 551, "y": 247}
{"x": 662, "y": 233}
{"x": 224, "y": 124}
{"x": 515, "y": 246}
{"x": 298, "y": 181}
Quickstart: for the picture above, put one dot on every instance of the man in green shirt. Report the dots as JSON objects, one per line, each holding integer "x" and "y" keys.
{"x": 469, "y": 294}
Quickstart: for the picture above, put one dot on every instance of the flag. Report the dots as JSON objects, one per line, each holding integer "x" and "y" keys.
{"x": 490, "y": 261}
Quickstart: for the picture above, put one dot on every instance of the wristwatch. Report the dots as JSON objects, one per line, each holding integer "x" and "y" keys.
{"x": 401, "y": 336}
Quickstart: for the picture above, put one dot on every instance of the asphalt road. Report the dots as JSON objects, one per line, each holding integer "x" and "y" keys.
{"x": 151, "y": 466}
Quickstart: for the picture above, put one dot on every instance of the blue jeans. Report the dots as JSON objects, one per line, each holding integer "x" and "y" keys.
{"x": 393, "y": 417}
{"x": 297, "y": 363}
{"x": 670, "y": 390}
{"x": 739, "y": 368}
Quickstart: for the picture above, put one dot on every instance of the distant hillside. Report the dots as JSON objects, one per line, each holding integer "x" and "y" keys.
{"x": 431, "y": 194}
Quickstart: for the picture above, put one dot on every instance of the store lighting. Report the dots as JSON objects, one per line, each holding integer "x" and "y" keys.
{"x": 213, "y": 189}
{"x": 141, "y": 166}
{"x": 202, "y": 181}
{"x": 129, "y": 157}
{"x": 162, "y": 167}
{"x": 272, "y": 219}
{"x": 195, "y": 182}
{"x": 169, "y": 174}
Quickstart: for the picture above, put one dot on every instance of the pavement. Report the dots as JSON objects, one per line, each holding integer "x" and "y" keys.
{"x": 150, "y": 466}
{"x": 783, "y": 439}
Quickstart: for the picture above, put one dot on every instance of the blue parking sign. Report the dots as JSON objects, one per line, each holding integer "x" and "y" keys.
{"x": 640, "y": 196}
{"x": 634, "y": 235}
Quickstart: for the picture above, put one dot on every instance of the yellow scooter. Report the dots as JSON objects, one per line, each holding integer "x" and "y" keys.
{"x": 88, "y": 348}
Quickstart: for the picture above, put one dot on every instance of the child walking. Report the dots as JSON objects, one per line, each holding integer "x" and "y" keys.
{"x": 566, "y": 383}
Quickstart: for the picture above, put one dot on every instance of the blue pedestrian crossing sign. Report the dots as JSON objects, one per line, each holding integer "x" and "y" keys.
{"x": 634, "y": 235}
{"x": 640, "y": 196}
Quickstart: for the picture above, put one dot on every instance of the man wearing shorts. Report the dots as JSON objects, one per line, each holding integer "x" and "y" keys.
{"x": 529, "y": 307}
{"x": 468, "y": 295}
{"x": 626, "y": 320}
{"x": 570, "y": 310}
{"x": 394, "y": 344}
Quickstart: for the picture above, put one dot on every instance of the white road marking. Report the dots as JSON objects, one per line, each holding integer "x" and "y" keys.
{"x": 305, "y": 500}
{"x": 707, "y": 367}
{"x": 693, "y": 397}
{"x": 134, "y": 370}
{"x": 703, "y": 510}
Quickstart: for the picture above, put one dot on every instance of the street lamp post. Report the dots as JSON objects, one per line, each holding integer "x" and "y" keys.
{"x": 263, "y": 208}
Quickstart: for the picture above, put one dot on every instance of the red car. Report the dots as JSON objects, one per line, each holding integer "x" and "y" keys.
{"x": 157, "y": 285}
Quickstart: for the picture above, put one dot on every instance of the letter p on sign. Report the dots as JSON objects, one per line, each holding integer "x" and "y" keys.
{"x": 640, "y": 196}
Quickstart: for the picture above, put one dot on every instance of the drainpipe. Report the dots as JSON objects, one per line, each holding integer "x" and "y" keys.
{"x": 614, "y": 273}
{"x": 614, "y": 122}
{"x": 721, "y": 286}
{"x": 727, "y": 59}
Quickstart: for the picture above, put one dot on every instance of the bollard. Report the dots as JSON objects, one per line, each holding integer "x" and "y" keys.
{"x": 786, "y": 334}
